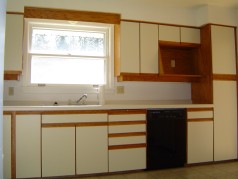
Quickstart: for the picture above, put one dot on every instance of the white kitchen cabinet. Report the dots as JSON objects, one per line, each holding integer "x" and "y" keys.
{"x": 28, "y": 146}
{"x": 92, "y": 144}
{"x": 7, "y": 146}
{"x": 149, "y": 48}
{"x": 200, "y": 135}
{"x": 127, "y": 141}
{"x": 190, "y": 35}
{"x": 78, "y": 146}
{"x": 13, "y": 42}
{"x": 225, "y": 120}
{"x": 223, "y": 50}
{"x": 130, "y": 47}
{"x": 169, "y": 33}
{"x": 58, "y": 151}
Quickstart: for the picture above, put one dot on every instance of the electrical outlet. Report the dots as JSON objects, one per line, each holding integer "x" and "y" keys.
{"x": 173, "y": 63}
{"x": 11, "y": 91}
{"x": 120, "y": 89}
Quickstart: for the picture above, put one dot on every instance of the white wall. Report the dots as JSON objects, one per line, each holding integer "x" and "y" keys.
{"x": 129, "y": 9}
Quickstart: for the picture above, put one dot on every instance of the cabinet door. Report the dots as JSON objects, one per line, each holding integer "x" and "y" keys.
{"x": 58, "y": 151}
{"x": 7, "y": 146}
{"x": 28, "y": 146}
{"x": 169, "y": 33}
{"x": 223, "y": 50}
{"x": 91, "y": 150}
{"x": 149, "y": 48}
{"x": 130, "y": 47}
{"x": 13, "y": 42}
{"x": 200, "y": 142}
{"x": 190, "y": 35}
{"x": 225, "y": 120}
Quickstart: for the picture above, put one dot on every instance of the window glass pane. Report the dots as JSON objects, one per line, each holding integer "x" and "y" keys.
{"x": 52, "y": 41}
{"x": 60, "y": 70}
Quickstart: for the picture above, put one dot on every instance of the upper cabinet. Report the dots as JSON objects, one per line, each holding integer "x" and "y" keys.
{"x": 169, "y": 33}
{"x": 13, "y": 45}
{"x": 190, "y": 35}
{"x": 179, "y": 34}
{"x": 223, "y": 50}
{"x": 179, "y": 49}
{"x": 139, "y": 48}
{"x": 148, "y": 48}
{"x": 155, "y": 52}
{"x": 130, "y": 47}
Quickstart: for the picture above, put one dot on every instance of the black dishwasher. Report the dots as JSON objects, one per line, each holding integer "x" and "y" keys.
{"x": 166, "y": 138}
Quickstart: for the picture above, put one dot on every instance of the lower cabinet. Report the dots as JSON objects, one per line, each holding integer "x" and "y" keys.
{"x": 7, "y": 146}
{"x": 225, "y": 120}
{"x": 91, "y": 149}
{"x": 74, "y": 144}
{"x": 28, "y": 146}
{"x": 127, "y": 140}
{"x": 200, "y": 135}
{"x": 58, "y": 151}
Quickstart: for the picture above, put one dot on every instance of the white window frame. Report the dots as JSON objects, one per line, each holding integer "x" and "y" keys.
{"x": 29, "y": 23}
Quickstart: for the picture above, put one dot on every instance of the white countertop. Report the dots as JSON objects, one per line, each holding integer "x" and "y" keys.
{"x": 107, "y": 106}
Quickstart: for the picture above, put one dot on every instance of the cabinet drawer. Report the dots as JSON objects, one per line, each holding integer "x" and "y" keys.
{"x": 127, "y": 140}
{"x": 127, "y": 128}
{"x": 72, "y": 118}
{"x": 200, "y": 114}
{"x": 126, "y": 117}
{"x": 127, "y": 159}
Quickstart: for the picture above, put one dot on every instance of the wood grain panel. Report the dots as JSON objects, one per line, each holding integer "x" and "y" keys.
{"x": 160, "y": 78}
{"x": 14, "y": 12}
{"x": 117, "y": 50}
{"x": 226, "y": 77}
{"x": 12, "y": 75}
{"x": 126, "y": 123}
{"x": 202, "y": 92}
{"x": 71, "y": 15}
{"x": 127, "y": 134}
{"x": 200, "y": 120}
{"x": 128, "y": 146}
{"x": 199, "y": 109}
{"x": 81, "y": 124}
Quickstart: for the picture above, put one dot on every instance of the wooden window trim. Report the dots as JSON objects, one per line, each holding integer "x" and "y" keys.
{"x": 71, "y": 15}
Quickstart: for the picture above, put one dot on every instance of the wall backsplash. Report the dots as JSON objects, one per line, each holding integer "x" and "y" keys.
{"x": 132, "y": 91}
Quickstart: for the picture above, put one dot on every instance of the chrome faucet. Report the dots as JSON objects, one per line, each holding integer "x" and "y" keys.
{"x": 82, "y": 98}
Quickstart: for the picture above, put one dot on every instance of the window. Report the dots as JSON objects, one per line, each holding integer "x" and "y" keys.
{"x": 60, "y": 53}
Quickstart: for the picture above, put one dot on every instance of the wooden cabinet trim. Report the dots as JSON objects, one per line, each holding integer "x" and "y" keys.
{"x": 199, "y": 109}
{"x": 128, "y": 146}
{"x": 126, "y": 123}
{"x": 225, "y": 77}
{"x": 12, "y": 75}
{"x": 80, "y": 124}
{"x": 160, "y": 77}
{"x": 127, "y": 134}
{"x": 200, "y": 120}
{"x": 63, "y": 14}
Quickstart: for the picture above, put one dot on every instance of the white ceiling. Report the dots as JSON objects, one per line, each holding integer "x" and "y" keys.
{"x": 196, "y": 3}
